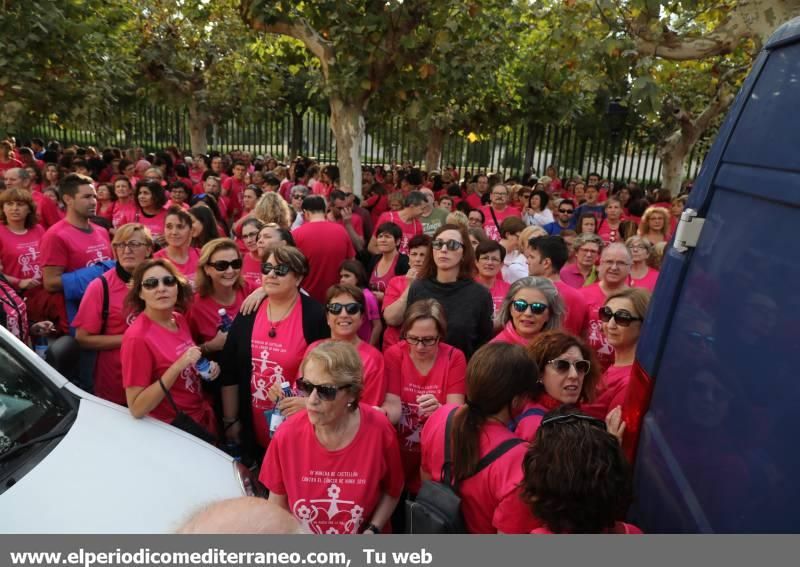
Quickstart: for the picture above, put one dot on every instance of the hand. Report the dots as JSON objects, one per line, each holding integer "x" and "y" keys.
{"x": 217, "y": 343}
{"x": 43, "y": 328}
{"x": 411, "y": 274}
{"x": 29, "y": 283}
{"x": 614, "y": 423}
{"x": 347, "y": 214}
{"x": 427, "y": 404}
{"x": 252, "y": 301}
{"x": 190, "y": 357}
{"x": 289, "y": 406}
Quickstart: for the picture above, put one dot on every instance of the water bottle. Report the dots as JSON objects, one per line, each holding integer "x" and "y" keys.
{"x": 203, "y": 367}
{"x": 276, "y": 418}
{"x": 225, "y": 321}
{"x": 40, "y": 345}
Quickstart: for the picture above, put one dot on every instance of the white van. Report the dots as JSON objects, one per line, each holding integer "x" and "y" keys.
{"x": 73, "y": 463}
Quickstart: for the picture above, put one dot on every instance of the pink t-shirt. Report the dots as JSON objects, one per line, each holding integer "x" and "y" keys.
{"x": 123, "y": 213}
{"x": 380, "y": 283}
{"x": 154, "y": 223}
{"x": 233, "y": 189}
{"x": 447, "y": 376}
{"x": 15, "y": 311}
{"x": 275, "y": 359}
{"x": 373, "y": 313}
{"x": 525, "y": 426}
{"x": 47, "y": 212}
{"x": 71, "y": 248}
{"x": 251, "y": 272}
{"x": 325, "y": 245}
{"x": 397, "y": 286}
{"x": 474, "y": 200}
{"x": 374, "y": 390}
{"x": 492, "y": 230}
{"x": 148, "y": 350}
{"x": 21, "y": 254}
{"x": 608, "y": 234}
{"x": 409, "y": 229}
{"x": 108, "y": 366}
{"x": 334, "y": 492}
{"x": 204, "y": 315}
{"x": 509, "y": 335}
{"x": 358, "y": 224}
{"x": 320, "y": 188}
{"x": 595, "y": 298}
{"x": 490, "y": 501}
{"x": 648, "y": 282}
{"x": 577, "y": 315}
{"x": 498, "y": 290}
{"x": 188, "y": 268}
{"x": 610, "y": 391}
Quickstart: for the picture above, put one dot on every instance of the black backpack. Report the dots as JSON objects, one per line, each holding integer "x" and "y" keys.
{"x": 437, "y": 508}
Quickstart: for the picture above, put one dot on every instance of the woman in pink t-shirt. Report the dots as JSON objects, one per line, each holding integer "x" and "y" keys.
{"x": 489, "y": 256}
{"x": 418, "y": 249}
{"x": 655, "y": 225}
{"x": 150, "y": 200}
{"x": 611, "y": 226}
{"x": 132, "y": 245}
{"x": 251, "y": 269}
{"x": 423, "y": 373}
{"x": 641, "y": 274}
{"x": 352, "y": 272}
{"x": 336, "y": 465}
{"x": 105, "y": 201}
{"x": 158, "y": 353}
{"x": 577, "y": 480}
{"x": 498, "y": 378}
{"x": 178, "y": 235}
{"x": 531, "y": 306}
{"x": 389, "y": 262}
{"x": 124, "y": 206}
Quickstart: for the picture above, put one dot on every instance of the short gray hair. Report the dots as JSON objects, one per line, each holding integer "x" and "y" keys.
{"x": 300, "y": 189}
{"x": 546, "y": 287}
{"x": 587, "y": 238}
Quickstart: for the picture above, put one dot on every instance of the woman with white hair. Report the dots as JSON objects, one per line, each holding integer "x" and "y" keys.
{"x": 532, "y": 305}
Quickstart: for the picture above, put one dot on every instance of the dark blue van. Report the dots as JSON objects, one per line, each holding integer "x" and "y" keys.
{"x": 718, "y": 449}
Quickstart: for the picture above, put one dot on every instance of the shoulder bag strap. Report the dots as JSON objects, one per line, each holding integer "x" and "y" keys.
{"x": 447, "y": 466}
{"x": 104, "y": 281}
{"x": 169, "y": 396}
{"x": 494, "y": 218}
{"x": 496, "y": 453}
{"x": 527, "y": 413}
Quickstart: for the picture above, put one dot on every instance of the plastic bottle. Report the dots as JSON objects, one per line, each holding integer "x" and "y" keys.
{"x": 203, "y": 367}
{"x": 225, "y": 321}
{"x": 40, "y": 345}
{"x": 276, "y": 418}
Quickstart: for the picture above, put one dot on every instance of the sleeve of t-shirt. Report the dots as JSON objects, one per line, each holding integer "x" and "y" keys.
{"x": 393, "y": 293}
{"x": 90, "y": 312}
{"x": 373, "y": 310}
{"x": 456, "y": 375}
{"x": 54, "y": 250}
{"x": 392, "y": 481}
{"x": 375, "y": 387}
{"x": 137, "y": 362}
{"x": 271, "y": 474}
{"x": 511, "y": 515}
{"x": 392, "y": 364}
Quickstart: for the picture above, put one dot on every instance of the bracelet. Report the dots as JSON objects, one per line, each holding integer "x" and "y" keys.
{"x": 372, "y": 528}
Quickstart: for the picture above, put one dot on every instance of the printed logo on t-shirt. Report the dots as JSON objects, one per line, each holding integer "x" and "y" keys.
{"x": 130, "y": 319}
{"x": 266, "y": 372}
{"x": 99, "y": 251}
{"x": 409, "y": 427}
{"x": 30, "y": 267}
{"x": 334, "y": 514}
{"x": 597, "y": 339}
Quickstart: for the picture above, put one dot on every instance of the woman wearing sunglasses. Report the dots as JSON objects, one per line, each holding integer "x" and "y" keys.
{"x": 103, "y": 332}
{"x": 577, "y": 479}
{"x": 423, "y": 373}
{"x": 447, "y": 278}
{"x": 498, "y": 378}
{"x": 352, "y": 272}
{"x": 532, "y": 305}
{"x": 158, "y": 353}
{"x": 179, "y": 250}
{"x": 265, "y": 348}
{"x": 335, "y": 466}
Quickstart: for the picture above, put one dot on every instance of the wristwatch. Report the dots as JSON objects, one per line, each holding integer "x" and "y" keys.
{"x": 372, "y": 528}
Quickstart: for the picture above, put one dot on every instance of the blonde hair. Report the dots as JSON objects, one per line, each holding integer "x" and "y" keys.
{"x": 271, "y": 208}
{"x": 341, "y": 362}
{"x": 125, "y": 232}
{"x": 202, "y": 283}
{"x": 527, "y": 233}
{"x": 457, "y": 217}
{"x": 644, "y": 226}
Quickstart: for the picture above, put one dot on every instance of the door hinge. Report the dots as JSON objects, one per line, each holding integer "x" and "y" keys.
{"x": 688, "y": 231}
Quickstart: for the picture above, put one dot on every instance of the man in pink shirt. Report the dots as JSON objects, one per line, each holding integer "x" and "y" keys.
{"x": 341, "y": 213}
{"x": 325, "y": 245}
{"x": 583, "y": 272}
{"x": 497, "y": 211}
{"x": 546, "y": 256}
{"x": 475, "y": 200}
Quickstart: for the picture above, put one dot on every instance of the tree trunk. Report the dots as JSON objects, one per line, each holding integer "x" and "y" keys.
{"x": 347, "y": 123}
{"x": 199, "y": 119}
{"x": 296, "y": 142}
{"x": 434, "y": 149}
{"x": 672, "y": 166}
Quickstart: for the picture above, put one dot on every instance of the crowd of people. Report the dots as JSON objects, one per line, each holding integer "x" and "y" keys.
{"x": 350, "y": 348}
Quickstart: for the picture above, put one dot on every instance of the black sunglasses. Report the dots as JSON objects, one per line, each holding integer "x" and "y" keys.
{"x": 451, "y": 245}
{"x": 566, "y": 211}
{"x": 222, "y": 265}
{"x": 350, "y": 308}
{"x": 562, "y": 365}
{"x": 152, "y": 283}
{"x": 520, "y": 306}
{"x": 325, "y": 393}
{"x": 280, "y": 269}
{"x": 623, "y": 317}
{"x": 573, "y": 417}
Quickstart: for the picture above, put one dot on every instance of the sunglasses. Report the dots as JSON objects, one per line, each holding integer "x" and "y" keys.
{"x": 566, "y": 211}
{"x": 152, "y": 283}
{"x": 562, "y": 366}
{"x": 623, "y": 317}
{"x": 222, "y": 265}
{"x": 573, "y": 417}
{"x": 325, "y": 393}
{"x": 349, "y": 308}
{"x": 424, "y": 341}
{"x": 451, "y": 245}
{"x": 280, "y": 269}
{"x": 520, "y": 306}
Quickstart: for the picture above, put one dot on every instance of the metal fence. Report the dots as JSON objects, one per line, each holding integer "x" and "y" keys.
{"x": 511, "y": 151}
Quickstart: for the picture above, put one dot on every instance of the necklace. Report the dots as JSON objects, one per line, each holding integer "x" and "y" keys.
{"x": 273, "y": 331}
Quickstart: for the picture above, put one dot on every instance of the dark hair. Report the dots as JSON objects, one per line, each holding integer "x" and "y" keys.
{"x": 292, "y": 257}
{"x": 467, "y": 265}
{"x": 512, "y": 225}
{"x": 582, "y": 218}
{"x": 418, "y": 241}
{"x": 392, "y": 230}
{"x": 637, "y": 207}
{"x": 156, "y": 190}
{"x": 206, "y": 218}
{"x": 496, "y": 374}
{"x": 332, "y": 171}
{"x": 553, "y": 247}
{"x": 415, "y": 198}
{"x": 567, "y": 202}
{"x": 21, "y": 196}
{"x": 544, "y": 198}
{"x": 137, "y": 304}
{"x": 272, "y": 180}
{"x": 211, "y": 202}
{"x": 414, "y": 178}
{"x": 177, "y": 211}
{"x": 337, "y": 195}
{"x": 182, "y": 170}
{"x": 314, "y": 204}
{"x": 576, "y": 477}
{"x": 70, "y": 183}
{"x": 480, "y": 212}
{"x": 490, "y": 246}
{"x": 550, "y": 345}
{"x": 357, "y": 269}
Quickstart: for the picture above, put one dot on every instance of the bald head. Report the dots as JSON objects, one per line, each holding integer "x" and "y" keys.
{"x": 246, "y": 515}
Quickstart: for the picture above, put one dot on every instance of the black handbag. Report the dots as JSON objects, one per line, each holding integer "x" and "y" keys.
{"x": 184, "y": 421}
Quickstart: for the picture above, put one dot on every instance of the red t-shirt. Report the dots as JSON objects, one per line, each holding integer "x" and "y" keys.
{"x": 320, "y": 188}
{"x": 148, "y": 350}
{"x": 10, "y": 164}
{"x": 409, "y": 229}
{"x": 123, "y": 213}
{"x": 358, "y": 224}
{"x": 188, "y": 268}
{"x": 619, "y": 528}
{"x": 498, "y": 291}
{"x": 275, "y": 359}
{"x": 380, "y": 283}
{"x": 397, "y": 286}
{"x": 108, "y": 366}
{"x": 325, "y": 245}
{"x": 610, "y": 391}
{"x": 490, "y": 228}
{"x": 490, "y": 501}
{"x": 577, "y": 315}
{"x": 595, "y": 298}
{"x": 251, "y": 272}
{"x": 374, "y": 390}
{"x": 334, "y": 492}
{"x": 608, "y": 234}
{"x": 47, "y": 212}
{"x": 648, "y": 282}
{"x": 69, "y": 247}
{"x": 509, "y": 335}
{"x": 447, "y": 376}
{"x": 233, "y": 191}
{"x": 21, "y": 254}
{"x": 474, "y": 200}
{"x": 204, "y": 315}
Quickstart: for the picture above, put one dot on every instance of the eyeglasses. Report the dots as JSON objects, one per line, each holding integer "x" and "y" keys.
{"x": 573, "y": 417}
{"x": 279, "y": 269}
{"x": 222, "y": 265}
{"x": 152, "y": 283}
{"x": 451, "y": 245}
{"x": 623, "y": 317}
{"x": 562, "y": 365}
{"x": 349, "y": 308}
{"x": 250, "y": 235}
{"x": 495, "y": 259}
{"x": 566, "y": 211}
{"x": 132, "y": 245}
{"x": 520, "y": 306}
{"x": 614, "y": 263}
{"x": 298, "y": 196}
{"x": 424, "y": 341}
{"x": 325, "y": 393}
